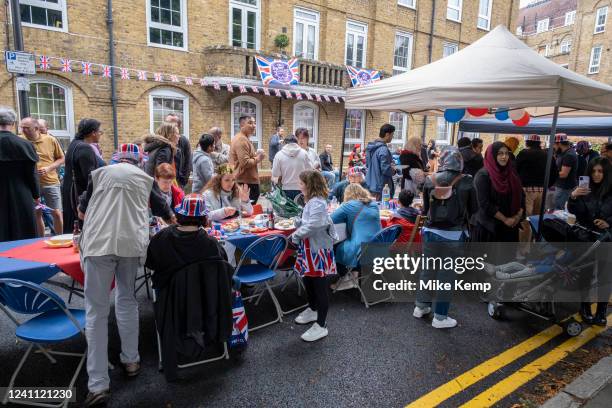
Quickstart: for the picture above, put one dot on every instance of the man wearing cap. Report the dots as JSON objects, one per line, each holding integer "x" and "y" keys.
{"x": 113, "y": 245}
{"x": 567, "y": 166}
{"x": 355, "y": 176}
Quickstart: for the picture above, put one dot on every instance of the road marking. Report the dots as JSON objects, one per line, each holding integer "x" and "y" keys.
{"x": 465, "y": 380}
{"x": 533, "y": 369}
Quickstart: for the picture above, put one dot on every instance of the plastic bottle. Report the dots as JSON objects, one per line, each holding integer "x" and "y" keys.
{"x": 270, "y": 213}
{"x": 386, "y": 196}
{"x": 76, "y": 235}
{"x": 334, "y": 204}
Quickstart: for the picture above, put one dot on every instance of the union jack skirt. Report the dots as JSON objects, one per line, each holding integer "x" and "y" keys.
{"x": 315, "y": 264}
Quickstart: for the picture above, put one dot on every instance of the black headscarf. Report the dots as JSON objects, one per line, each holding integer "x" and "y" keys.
{"x": 86, "y": 127}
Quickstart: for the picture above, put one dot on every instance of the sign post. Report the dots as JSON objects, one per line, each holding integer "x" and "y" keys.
{"x": 24, "y": 108}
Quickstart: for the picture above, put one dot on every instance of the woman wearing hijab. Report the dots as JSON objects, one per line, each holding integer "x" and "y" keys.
{"x": 410, "y": 156}
{"x": 501, "y": 200}
{"x": 81, "y": 160}
{"x": 448, "y": 200}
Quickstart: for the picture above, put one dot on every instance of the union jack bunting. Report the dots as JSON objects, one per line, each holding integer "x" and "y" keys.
{"x": 173, "y": 78}
{"x": 240, "y": 330}
{"x": 278, "y": 93}
{"x": 86, "y": 68}
{"x": 202, "y": 82}
{"x": 336, "y": 99}
{"x": 255, "y": 89}
{"x": 242, "y": 89}
{"x": 125, "y": 73}
{"x": 107, "y": 71}
{"x": 288, "y": 94}
{"x": 360, "y": 76}
{"x": 66, "y": 65}
{"x": 278, "y": 72}
{"x": 158, "y": 77}
{"x": 44, "y": 62}
{"x": 216, "y": 86}
{"x": 229, "y": 87}
{"x": 142, "y": 75}
{"x": 266, "y": 91}
{"x": 308, "y": 96}
{"x": 188, "y": 81}
{"x": 326, "y": 98}
{"x": 318, "y": 98}
{"x": 298, "y": 96}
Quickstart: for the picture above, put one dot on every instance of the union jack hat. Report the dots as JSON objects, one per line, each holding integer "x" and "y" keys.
{"x": 127, "y": 151}
{"x": 560, "y": 138}
{"x": 533, "y": 138}
{"x": 355, "y": 171}
{"x": 193, "y": 205}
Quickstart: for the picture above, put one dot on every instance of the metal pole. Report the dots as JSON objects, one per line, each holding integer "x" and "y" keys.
{"x": 111, "y": 58}
{"x": 342, "y": 144}
{"x": 549, "y": 157}
{"x": 22, "y": 99}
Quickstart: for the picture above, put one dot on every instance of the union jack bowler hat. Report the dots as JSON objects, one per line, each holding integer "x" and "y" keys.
{"x": 127, "y": 151}
{"x": 355, "y": 171}
{"x": 560, "y": 138}
{"x": 193, "y": 205}
{"x": 533, "y": 138}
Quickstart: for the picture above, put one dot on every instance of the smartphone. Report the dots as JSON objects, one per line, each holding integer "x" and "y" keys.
{"x": 583, "y": 181}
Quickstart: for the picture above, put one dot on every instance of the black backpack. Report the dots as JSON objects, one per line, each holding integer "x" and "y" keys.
{"x": 445, "y": 207}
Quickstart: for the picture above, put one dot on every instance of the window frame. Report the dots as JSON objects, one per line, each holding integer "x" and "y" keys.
{"x": 410, "y": 50}
{"x": 356, "y": 33}
{"x": 70, "y": 129}
{"x": 161, "y": 26}
{"x": 306, "y": 24}
{"x": 572, "y": 18}
{"x": 448, "y": 131}
{"x": 567, "y": 43}
{"x": 258, "y": 118}
{"x": 61, "y": 6}
{"x": 245, "y": 8}
{"x": 547, "y": 20}
{"x": 170, "y": 93}
{"x": 603, "y": 10}
{"x": 413, "y": 6}
{"x": 487, "y": 17}
{"x": 404, "y": 134}
{"x": 314, "y": 137}
{"x": 348, "y": 140}
{"x": 547, "y": 50}
{"x": 457, "y": 8}
{"x": 594, "y": 69}
{"x": 446, "y": 45}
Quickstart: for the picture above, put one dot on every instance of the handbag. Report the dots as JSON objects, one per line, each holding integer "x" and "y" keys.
{"x": 240, "y": 330}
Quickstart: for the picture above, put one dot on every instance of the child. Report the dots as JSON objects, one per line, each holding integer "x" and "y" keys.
{"x": 315, "y": 258}
{"x": 405, "y": 211}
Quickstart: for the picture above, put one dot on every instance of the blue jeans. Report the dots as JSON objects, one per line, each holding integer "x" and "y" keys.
{"x": 561, "y": 197}
{"x": 330, "y": 177}
{"x": 424, "y": 298}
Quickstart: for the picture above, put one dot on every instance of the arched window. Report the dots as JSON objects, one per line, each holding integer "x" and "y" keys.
{"x": 400, "y": 121}
{"x": 52, "y": 101}
{"x": 164, "y": 101}
{"x": 306, "y": 115}
{"x": 247, "y": 105}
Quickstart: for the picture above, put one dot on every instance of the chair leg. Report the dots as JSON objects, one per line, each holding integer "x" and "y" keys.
{"x": 300, "y": 285}
{"x": 46, "y": 352}
{"x": 367, "y": 303}
{"x": 12, "y": 382}
{"x": 71, "y": 290}
{"x": 279, "y": 313}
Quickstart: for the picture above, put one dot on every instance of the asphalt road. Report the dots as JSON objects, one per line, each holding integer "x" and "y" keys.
{"x": 380, "y": 357}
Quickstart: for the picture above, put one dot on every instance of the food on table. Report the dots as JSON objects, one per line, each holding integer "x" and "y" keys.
{"x": 231, "y": 226}
{"x": 386, "y": 213}
{"x": 59, "y": 241}
{"x": 257, "y": 230}
{"x": 285, "y": 225}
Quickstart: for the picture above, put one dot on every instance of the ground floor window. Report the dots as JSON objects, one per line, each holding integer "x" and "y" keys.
{"x": 165, "y": 101}
{"x": 354, "y": 130}
{"x": 306, "y": 115}
{"x": 444, "y": 131}
{"x": 52, "y": 102}
{"x": 400, "y": 121}
{"x": 246, "y": 105}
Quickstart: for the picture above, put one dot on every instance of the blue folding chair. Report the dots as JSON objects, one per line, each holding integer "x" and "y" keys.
{"x": 267, "y": 252}
{"x": 54, "y": 323}
{"x": 387, "y": 236}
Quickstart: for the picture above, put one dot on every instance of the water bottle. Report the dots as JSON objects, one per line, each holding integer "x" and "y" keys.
{"x": 334, "y": 204}
{"x": 386, "y": 196}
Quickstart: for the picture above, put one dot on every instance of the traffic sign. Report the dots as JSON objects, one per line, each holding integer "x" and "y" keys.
{"x": 23, "y": 84}
{"x": 20, "y": 62}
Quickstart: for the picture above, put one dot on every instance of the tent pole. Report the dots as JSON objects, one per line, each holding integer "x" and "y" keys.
{"x": 342, "y": 143}
{"x": 549, "y": 157}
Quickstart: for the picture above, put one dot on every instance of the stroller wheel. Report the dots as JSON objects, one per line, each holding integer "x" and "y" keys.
{"x": 495, "y": 310}
{"x": 572, "y": 328}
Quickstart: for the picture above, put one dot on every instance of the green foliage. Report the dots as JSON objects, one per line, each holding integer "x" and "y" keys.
{"x": 281, "y": 41}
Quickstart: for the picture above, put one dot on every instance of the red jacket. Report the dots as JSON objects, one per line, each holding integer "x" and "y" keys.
{"x": 177, "y": 195}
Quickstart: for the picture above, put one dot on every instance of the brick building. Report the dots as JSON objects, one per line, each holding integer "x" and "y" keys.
{"x": 217, "y": 40}
{"x": 573, "y": 33}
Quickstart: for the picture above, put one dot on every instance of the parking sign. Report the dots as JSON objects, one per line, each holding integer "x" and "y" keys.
{"x": 20, "y": 62}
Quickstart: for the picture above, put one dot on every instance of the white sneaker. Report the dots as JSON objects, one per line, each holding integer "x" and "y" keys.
{"x": 447, "y": 323}
{"x": 420, "y": 312}
{"x": 307, "y": 316}
{"x": 315, "y": 333}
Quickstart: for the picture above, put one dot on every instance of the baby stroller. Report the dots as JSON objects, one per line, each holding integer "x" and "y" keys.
{"x": 532, "y": 287}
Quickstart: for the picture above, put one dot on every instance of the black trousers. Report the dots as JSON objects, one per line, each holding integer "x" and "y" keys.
{"x": 254, "y": 193}
{"x": 318, "y": 298}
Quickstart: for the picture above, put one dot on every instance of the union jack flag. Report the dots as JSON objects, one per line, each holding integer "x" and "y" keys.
{"x": 288, "y": 95}
{"x": 278, "y": 72}
{"x": 298, "y": 96}
{"x": 125, "y": 73}
{"x": 173, "y": 78}
{"x": 229, "y": 87}
{"x": 242, "y": 89}
{"x": 326, "y": 98}
{"x": 216, "y": 86}
{"x": 86, "y": 68}
{"x": 202, "y": 82}
{"x": 107, "y": 71}
{"x": 336, "y": 99}
{"x": 142, "y": 75}
{"x": 44, "y": 62}
{"x": 360, "y": 76}
{"x": 240, "y": 329}
{"x": 158, "y": 77}
{"x": 66, "y": 65}
{"x": 318, "y": 98}
{"x": 188, "y": 81}
{"x": 266, "y": 91}
{"x": 278, "y": 93}
{"x": 255, "y": 89}
{"x": 308, "y": 96}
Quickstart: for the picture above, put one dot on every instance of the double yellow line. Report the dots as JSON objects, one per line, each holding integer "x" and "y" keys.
{"x": 514, "y": 381}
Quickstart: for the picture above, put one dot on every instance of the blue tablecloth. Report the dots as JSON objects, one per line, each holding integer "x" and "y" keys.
{"x": 36, "y": 272}
{"x": 5, "y": 246}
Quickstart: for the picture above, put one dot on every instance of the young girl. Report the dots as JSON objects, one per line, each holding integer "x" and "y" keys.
{"x": 315, "y": 258}
{"x": 224, "y": 198}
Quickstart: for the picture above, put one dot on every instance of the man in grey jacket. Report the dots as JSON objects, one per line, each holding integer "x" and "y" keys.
{"x": 220, "y": 153}
{"x": 203, "y": 166}
{"x": 287, "y": 166}
{"x": 113, "y": 245}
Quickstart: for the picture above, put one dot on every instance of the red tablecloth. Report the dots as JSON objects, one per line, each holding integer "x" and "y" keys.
{"x": 64, "y": 258}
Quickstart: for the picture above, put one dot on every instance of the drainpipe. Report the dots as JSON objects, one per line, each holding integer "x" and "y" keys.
{"x": 430, "y": 52}
{"x": 111, "y": 62}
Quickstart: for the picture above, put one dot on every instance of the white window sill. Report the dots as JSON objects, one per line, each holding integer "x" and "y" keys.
{"x": 453, "y": 20}
{"x": 44, "y": 27}
{"x": 168, "y": 47}
{"x": 407, "y": 7}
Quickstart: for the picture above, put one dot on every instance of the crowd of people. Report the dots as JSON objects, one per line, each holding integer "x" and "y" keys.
{"x": 465, "y": 195}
